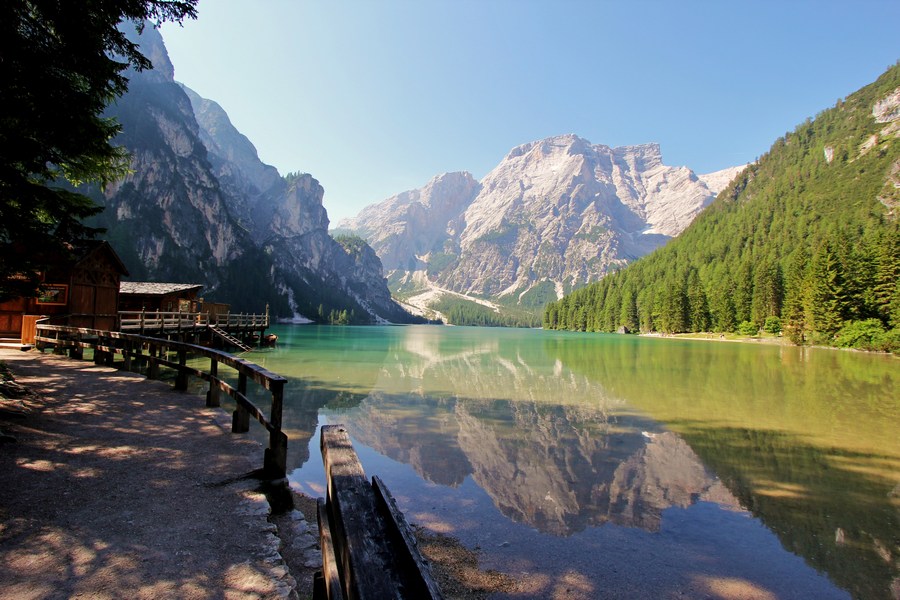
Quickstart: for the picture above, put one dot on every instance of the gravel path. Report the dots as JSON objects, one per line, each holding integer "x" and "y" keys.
{"x": 114, "y": 486}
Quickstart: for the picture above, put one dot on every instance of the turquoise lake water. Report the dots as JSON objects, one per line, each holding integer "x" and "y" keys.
{"x": 604, "y": 466}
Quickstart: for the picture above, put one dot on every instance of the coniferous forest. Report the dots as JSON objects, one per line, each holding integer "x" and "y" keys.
{"x": 804, "y": 243}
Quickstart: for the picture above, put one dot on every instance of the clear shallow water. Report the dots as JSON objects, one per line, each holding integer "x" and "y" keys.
{"x": 613, "y": 466}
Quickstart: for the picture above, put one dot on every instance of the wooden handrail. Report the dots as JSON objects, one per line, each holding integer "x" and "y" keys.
{"x": 106, "y": 344}
{"x": 139, "y": 320}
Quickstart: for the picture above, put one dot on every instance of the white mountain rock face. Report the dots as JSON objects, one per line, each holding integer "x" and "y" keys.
{"x": 554, "y": 215}
{"x": 415, "y": 223}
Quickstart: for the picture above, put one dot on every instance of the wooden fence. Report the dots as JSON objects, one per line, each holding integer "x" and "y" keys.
{"x": 154, "y": 352}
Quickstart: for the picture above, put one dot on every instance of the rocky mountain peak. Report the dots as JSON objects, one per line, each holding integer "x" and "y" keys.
{"x": 569, "y": 142}
{"x": 221, "y": 138}
{"x": 555, "y": 214}
{"x": 447, "y": 187}
{"x": 152, "y": 46}
{"x": 642, "y": 157}
{"x": 301, "y": 210}
{"x": 405, "y": 228}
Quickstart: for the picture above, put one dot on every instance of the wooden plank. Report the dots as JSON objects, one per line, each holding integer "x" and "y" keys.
{"x": 330, "y": 572}
{"x": 29, "y": 328}
{"x": 275, "y": 456}
{"x": 422, "y": 583}
{"x": 240, "y": 418}
{"x": 358, "y": 529}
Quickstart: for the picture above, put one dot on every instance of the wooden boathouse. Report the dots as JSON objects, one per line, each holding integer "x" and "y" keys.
{"x": 82, "y": 293}
{"x": 174, "y": 311}
{"x": 89, "y": 293}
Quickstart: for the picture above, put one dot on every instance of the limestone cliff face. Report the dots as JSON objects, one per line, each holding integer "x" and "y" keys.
{"x": 200, "y": 206}
{"x": 286, "y": 217}
{"x": 405, "y": 229}
{"x": 559, "y": 212}
{"x": 251, "y": 183}
{"x": 169, "y": 218}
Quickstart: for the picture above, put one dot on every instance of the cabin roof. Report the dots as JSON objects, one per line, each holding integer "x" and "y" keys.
{"x": 148, "y": 288}
{"x": 84, "y": 249}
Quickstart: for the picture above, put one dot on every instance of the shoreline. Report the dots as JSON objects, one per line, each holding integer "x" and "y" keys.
{"x": 766, "y": 341}
{"x": 720, "y": 337}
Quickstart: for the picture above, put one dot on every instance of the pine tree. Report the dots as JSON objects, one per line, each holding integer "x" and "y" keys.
{"x": 61, "y": 64}
{"x": 825, "y": 303}
{"x": 721, "y": 306}
{"x": 628, "y": 316}
{"x": 674, "y": 308}
{"x": 768, "y": 292}
{"x": 793, "y": 311}
{"x": 887, "y": 274}
{"x": 698, "y": 307}
{"x": 743, "y": 292}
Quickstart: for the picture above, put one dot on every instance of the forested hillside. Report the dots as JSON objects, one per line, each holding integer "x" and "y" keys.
{"x": 806, "y": 241}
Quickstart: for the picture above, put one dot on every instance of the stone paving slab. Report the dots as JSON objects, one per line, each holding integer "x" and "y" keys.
{"x": 120, "y": 487}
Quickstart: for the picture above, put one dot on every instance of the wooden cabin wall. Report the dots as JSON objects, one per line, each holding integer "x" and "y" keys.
{"x": 94, "y": 294}
{"x": 11, "y": 313}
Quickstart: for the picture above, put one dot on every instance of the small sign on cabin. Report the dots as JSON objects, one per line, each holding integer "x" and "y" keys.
{"x": 53, "y": 293}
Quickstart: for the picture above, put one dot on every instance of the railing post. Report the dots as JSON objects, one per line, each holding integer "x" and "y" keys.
{"x": 58, "y": 347}
{"x": 138, "y": 348}
{"x": 212, "y": 396}
{"x": 153, "y": 367}
{"x": 126, "y": 353}
{"x": 275, "y": 460}
{"x": 142, "y": 320}
{"x": 109, "y": 358}
{"x": 98, "y": 353}
{"x": 240, "y": 419}
{"x": 181, "y": 379}
{"x": 77, "y": 351}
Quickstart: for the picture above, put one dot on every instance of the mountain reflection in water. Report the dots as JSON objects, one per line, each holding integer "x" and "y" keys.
{"x": 571, "y": 435}
{"x": 557, "y": 468}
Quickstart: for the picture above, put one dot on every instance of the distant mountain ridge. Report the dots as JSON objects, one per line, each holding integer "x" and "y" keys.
{"x": 554, "y": 215}
{"x": 199, "y": 206}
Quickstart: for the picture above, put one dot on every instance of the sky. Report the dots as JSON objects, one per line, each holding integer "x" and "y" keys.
{"x": 374, "y": 98}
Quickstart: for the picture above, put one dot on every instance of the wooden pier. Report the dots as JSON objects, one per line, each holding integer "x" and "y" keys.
{"x": 235, "y": 330}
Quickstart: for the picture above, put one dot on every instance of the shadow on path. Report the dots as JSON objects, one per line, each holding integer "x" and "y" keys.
{"x": 120, "y": 487}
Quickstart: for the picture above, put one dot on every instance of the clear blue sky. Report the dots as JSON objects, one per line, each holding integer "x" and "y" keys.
{"x": 376, "y": 97}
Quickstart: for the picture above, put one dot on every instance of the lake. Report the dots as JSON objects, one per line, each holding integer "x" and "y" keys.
{"x": 606, "y": 466}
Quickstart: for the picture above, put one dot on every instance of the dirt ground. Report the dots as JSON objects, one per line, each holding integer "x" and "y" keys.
{"x": 114, "y": 486}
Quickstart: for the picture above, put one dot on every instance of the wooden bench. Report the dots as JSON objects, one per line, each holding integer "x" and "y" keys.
{"x": 368, "y": 549}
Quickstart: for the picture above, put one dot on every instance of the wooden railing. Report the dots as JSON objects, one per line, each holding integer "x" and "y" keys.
{"x": 155, "y": 352}
{"x": 139, "y": 320}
